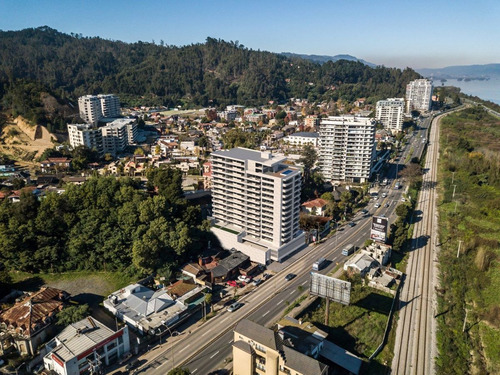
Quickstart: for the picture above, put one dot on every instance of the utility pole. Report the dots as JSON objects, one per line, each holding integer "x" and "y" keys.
{"x": 452, "y": 177}
{"x": 327, "y": 311}
{"x": 465, "y": 319}
{"x": 459, "y": 244}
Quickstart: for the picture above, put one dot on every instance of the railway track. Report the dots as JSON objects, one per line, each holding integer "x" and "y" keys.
{"x": 414, "y": 350}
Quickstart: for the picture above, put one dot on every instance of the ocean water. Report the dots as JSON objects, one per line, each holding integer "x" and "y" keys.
{"x": 486, "y": 90}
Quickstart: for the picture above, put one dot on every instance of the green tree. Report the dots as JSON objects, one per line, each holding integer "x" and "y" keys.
{"x": 72, "y": 314}
{"x": 179, "y": 371}
{"x": 208, "y": 300}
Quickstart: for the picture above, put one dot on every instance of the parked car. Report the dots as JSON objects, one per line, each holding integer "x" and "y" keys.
{"x": 235, "y": 306}
{"x": 266, "y": 276}
{"x": 232, "y": 283}
{"x": 364, "y": 211}
{"x": 245, "y": 279}
{"x": 132, "y": 365}
{"x": 125, "y": 358}
{"x": 377, "y": 205}
{"x": 290, "y": 276}
{"x": 257, "y": 282}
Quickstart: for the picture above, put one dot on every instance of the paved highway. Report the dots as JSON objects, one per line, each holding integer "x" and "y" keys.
{"x": 206, "y": 349}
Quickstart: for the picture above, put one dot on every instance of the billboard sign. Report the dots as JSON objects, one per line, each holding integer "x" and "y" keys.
{"x": 330, "y": 287}
{"x": 379, "y": 228}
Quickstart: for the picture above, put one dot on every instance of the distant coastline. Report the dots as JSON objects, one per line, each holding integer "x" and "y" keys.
{"x": 486, "y": 89}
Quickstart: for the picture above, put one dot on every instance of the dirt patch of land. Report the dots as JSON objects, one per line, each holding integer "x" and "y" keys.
{"x": 24, "y": 142}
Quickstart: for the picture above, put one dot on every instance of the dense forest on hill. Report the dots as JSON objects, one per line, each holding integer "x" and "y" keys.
{"x": 106, "y": 224}
{"x": 213, "y": 73}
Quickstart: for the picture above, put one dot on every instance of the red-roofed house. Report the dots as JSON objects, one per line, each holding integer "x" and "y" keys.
{"x": 315, "y": 207}
{"x": 55, "y": 164}
{"x": 28, "y": 323}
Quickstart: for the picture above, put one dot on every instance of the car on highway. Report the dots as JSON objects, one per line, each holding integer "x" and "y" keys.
{"x": 387, "y": 205}
{"x": 235, "y": 306}
{"x": 364, "y": 211}
{"x": 290, "y": 276}
{"x": 377, "y": 205}
{"x": 257, "y": 282}
{"x": 351, "y": 224}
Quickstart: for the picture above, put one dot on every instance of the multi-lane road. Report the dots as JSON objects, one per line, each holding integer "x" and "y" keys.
{"x": 206, "y": 349}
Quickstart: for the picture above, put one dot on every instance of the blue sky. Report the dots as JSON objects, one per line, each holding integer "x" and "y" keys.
{"x": 393, "y": 33}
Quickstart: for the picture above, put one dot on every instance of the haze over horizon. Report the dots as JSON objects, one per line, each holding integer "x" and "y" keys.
{"x": 431, "y": 34}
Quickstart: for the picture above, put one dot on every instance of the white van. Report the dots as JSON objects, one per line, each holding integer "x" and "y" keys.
{"x": 348, "y": 250}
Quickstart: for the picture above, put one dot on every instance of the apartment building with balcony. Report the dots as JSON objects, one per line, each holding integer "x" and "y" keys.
{"x": 260, "y": 350}
{"x": 390, "y": 113}
{"x": 111, "y": 138}
{"x": 256, "y": 203}
{"x": 110, "y": 105}
{"x": 93, "y": 108}
{"x": 86, "y": 135}
{"x": 346, "y": 148}
{"x": 418, "y": 95}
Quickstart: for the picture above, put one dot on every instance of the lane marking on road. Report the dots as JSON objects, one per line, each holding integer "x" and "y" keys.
{"x": 192, "y": 372}
{"x": 266, "y": 313}
{"x": 217, "y": 352}
{"x": 184, "y": 348}
{"x": 204, "y": 334}
{"x": 305, "y": 282}
{"x": 230, "y": 342}
{"x": 279, "y": 303}
{"x": 293, "y": 291}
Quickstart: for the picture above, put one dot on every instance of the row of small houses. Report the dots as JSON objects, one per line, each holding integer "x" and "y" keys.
{"x": 30, "y": 322}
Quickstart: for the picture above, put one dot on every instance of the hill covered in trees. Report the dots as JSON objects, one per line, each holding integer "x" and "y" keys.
{"x": 214, "y": 73}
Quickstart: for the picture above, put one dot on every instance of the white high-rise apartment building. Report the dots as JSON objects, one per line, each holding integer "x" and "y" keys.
{"x": 112, "y": 138}
{"x": 92, "y": 108}
{"x": 256, "y": 203}
{"x": 86, "y": 135}
{"x": 390, "y": 112}
{"x": 418, "y": 95}
{"x": 110, "y": 105}
{"x": 346, "y": 148}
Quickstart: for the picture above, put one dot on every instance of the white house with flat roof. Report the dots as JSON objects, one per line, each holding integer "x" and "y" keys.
{"x": 302, "y": 138}
{"x": 256, "y": 203}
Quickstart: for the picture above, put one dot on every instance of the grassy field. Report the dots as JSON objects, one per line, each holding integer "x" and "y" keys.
{"x": 470, "y": 165}
{"x": 77, "y": 282}
{"x": 358, "y": 327}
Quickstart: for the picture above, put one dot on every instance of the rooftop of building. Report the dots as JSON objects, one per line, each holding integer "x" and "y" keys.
{"x": 341, "y": 357}
{"x": 240, "y": 153}
{"x": 318, "y": 202}
{"x": 79, "y": 337}
{"x": 270, "y": 339}
{"x": 305, "y": 134}
{"x": 349, "y": 119}
{"x": 33, "y": 312}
